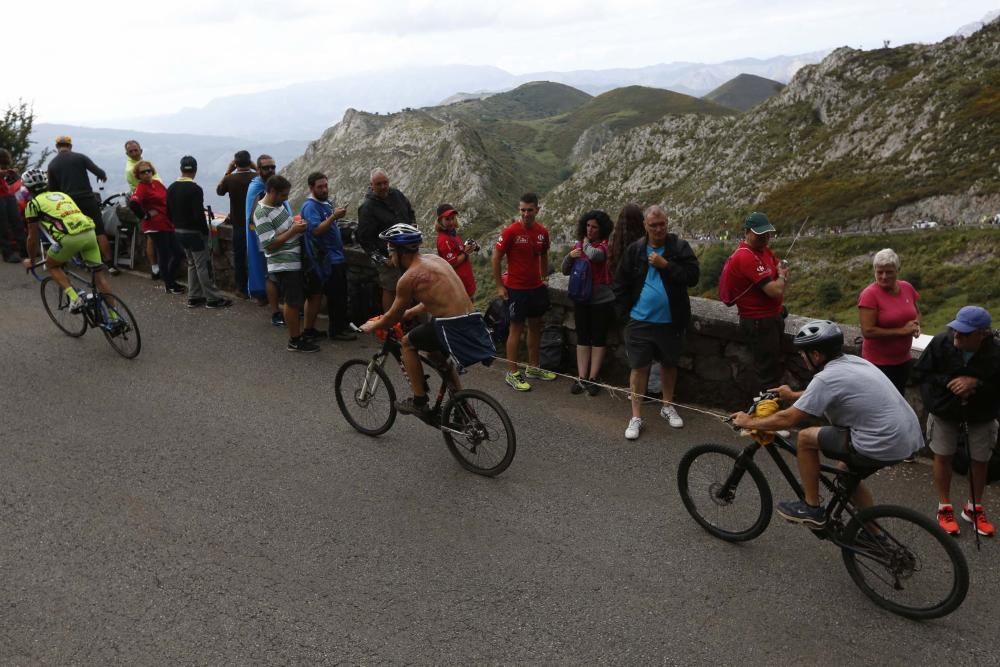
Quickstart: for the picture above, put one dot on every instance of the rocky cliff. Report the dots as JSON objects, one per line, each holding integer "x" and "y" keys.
{"x": 861, "y": 140}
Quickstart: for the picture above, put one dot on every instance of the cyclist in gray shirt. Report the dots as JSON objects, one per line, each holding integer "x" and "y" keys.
{"x": 870, "y": 421}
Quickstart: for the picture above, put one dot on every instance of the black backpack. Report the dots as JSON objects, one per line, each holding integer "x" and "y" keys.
{"x": 497, "y": 319}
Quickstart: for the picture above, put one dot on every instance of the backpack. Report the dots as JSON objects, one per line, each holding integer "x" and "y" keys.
{"x": 727, "y": 282}
{"x": 498, "y": 321}
{"x": 552, "y": 352}
{"x": 581, "y": 281}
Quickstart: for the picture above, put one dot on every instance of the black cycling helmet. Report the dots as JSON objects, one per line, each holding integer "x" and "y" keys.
{"x": 35, "y": 180}
{"x": 820, "y": 335}
{"x": 403, "y": 237}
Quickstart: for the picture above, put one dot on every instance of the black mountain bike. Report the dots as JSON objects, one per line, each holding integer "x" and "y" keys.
{"x": 106, "y": 312}
{"x": 899, "y": 558}
{"x": 476, "y": 428}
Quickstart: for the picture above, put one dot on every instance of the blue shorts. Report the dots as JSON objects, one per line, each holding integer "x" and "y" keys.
{"x": 523, "y": 304}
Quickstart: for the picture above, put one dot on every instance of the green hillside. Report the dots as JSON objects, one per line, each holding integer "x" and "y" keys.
{"x": 949, "y": 267}
{"x": 537, "y": 99}
{"x": 619, "y": 110}
{"x": 744, "y": 92}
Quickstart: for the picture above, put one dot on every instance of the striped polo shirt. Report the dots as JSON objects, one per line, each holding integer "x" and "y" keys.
{"x": 271, "y": 221}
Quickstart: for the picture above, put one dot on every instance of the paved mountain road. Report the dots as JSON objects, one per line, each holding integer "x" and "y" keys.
{"x": 206, "y": 503}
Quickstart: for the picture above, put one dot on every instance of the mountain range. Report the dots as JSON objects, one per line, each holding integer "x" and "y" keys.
{"x": 305, "y": 110}
{"x": 864, "y": 139}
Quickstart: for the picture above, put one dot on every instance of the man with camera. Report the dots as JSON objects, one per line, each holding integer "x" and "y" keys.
{"x": 451, "y": 247}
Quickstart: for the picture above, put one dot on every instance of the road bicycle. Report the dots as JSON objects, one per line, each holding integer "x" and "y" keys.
{"x": 901, "y": 559}
{"x": 476, "y": 428}
{"x": 103, "y": 311}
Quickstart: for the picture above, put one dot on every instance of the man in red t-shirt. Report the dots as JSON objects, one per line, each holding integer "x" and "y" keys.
{"x": 759, "y": 281}
{"x": 525, "y": 244}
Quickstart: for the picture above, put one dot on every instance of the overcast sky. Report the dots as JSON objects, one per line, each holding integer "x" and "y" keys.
{"x": 83, "y": 61}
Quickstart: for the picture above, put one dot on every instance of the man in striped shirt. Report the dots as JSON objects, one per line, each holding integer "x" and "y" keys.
{"x": 280, "y": 237}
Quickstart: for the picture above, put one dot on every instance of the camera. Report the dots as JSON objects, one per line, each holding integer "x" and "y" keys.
{"x": 473, "y": 246}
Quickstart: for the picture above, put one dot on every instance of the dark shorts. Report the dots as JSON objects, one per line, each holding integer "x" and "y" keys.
{"x": 90, "y": 206}
{"x": 295, "y": 286}
{"x": 527, "y": 303}
{"x": 388, "y": 276}
{"x": 424, "y": 337}
{"x": 649, "y": 341}
{"x": 592, "y": 322}
{"x": 835, "y": 443}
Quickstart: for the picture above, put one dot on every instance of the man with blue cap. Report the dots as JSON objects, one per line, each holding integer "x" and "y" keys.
{"x": 959, "y": 376}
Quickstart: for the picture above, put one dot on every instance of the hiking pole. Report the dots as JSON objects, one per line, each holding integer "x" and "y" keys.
{"x": 963, "y": 433}
{"x": 784, "y": 262}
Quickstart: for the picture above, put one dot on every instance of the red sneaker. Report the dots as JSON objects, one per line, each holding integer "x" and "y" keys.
{"x": 983, "y": 527}
{"x": 946, "y": 519}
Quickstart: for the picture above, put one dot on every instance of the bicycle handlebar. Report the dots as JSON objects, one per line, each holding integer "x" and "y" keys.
{"x": 32, "y": 269}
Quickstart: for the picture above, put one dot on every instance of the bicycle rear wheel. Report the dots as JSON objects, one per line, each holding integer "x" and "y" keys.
{"x": 904, "y": 562}
{"x": 717, "y": 495}
{"x": 365, "y": 396}
{"x": 57, "y": 306}
{"x": 119, "y": 326}
{"x": 478, "y": 432}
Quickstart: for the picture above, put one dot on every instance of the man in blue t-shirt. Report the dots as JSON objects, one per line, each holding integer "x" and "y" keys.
{"x": 651, "y": 287}
{"x": 325, "y": 250}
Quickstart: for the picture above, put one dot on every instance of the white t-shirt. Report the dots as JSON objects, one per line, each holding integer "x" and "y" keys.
{"x": 855, "y": 395}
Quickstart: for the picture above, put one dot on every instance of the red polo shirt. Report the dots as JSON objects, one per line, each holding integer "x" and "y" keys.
{"x": 523, "y": 246}
{"x": 749, "y": 268}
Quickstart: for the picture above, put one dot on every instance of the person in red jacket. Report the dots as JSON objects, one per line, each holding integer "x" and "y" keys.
{"x": 150, "y": 196}
{"x": 11, "y": 225}
{"x": 451, "y": 247}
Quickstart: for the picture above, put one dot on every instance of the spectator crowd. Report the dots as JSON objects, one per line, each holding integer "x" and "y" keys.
{"x": 634, "y": 271}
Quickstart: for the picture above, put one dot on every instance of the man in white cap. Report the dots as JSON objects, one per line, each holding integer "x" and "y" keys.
{"x": 959, "y": 376}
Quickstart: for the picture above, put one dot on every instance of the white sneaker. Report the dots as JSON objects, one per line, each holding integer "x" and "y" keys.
{"x": 669, "y": 413}
{"x": 634, "y": 427}
{"x": 76, "y": 305}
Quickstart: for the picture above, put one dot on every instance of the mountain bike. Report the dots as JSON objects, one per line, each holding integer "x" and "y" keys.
{"x": 476, "y": 428}
{"x": 902, "y": 560}
{"x": 103, "y": 311}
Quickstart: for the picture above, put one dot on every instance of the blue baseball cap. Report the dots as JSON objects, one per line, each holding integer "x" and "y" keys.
{"x": 971, "y": 318}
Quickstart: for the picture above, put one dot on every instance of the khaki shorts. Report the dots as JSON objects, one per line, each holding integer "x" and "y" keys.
{"x": 388, "y": 276}
{"x": 83, "y": 244}
{"x": 943, "y": 438}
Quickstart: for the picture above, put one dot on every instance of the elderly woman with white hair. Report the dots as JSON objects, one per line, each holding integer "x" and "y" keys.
{"x": 890, "y": 319}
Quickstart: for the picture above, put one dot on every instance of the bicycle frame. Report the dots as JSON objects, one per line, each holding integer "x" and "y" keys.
{"x": 95, "y": 312}
{"x": 391, "y": 346}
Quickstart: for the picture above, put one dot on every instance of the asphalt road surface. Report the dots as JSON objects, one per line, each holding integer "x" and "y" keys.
{"x": 207, "y": 504}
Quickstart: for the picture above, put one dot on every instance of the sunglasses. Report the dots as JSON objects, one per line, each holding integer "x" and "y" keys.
{"x": 268, "y": 167}
{"x": 145, "y": 171}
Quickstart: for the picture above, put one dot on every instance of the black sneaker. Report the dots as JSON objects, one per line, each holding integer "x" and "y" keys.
{"x": 409, "y": 407}
{"x": 344, "y": 335}
{"x": 114, "y": 270}
{"x": 578, "y": 387}
{"x": 154, "y": 275}
{"x": 176, "y": 289}
{"x": 195, "y": 303}
{"x": 12, "y": 258}
{"x": 221, "y": 303}
{"x": 593, "y": 387}
{"x": 278, "y": 319}
{"x": 798, "y": 511}
{"x": 313, "y": 334}
{"x": 301, "y": 345}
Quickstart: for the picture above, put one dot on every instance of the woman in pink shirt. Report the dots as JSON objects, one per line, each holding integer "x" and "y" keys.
{"x": 890, "y": 319}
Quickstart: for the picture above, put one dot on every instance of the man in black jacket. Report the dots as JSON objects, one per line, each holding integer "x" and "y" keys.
{"x": 382, "y": 208}
{"x": 68, "y": 174}
{"x": 651, "y": 288}
{"x": 959, "y": 376}
{"x": 186, "y": 209}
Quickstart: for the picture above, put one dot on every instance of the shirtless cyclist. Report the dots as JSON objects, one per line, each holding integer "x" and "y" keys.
{"x": 433, "y": 284}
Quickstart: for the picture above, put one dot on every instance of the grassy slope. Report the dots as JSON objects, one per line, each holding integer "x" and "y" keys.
{"x": 949, "y": 267}
{"x": 744, "y": 92}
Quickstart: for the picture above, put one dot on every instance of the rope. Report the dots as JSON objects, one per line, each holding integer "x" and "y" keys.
{"x": 622, "y": 392}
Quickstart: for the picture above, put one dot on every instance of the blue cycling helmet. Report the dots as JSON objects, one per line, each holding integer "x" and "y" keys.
{"x": 403, "y": 237}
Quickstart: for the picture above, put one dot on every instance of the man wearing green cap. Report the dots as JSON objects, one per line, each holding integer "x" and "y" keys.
{"x": 758, "y": 282}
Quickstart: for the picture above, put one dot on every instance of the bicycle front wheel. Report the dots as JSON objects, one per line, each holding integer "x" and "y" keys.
{"x": 119, "y": 326}
{"x": 717, "y": 494}
{"x": 365, "y": 396}
{"x": 478, "y": 432}
{"x": 57, "y": 306}
{"x": 904, "y": 562}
